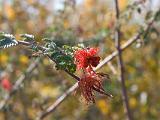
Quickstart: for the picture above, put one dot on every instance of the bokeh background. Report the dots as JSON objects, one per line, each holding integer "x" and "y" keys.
{"x": 91, "y": 22}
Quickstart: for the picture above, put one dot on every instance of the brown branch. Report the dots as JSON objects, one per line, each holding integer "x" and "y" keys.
{"x": 120, "y": 62}
{"x": 132, "y": 40}
{"x": 18, "y": 83}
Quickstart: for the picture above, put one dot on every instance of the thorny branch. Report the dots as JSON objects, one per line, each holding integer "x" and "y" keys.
{"x": 28, "y": 71}
{"x": 132, "y": 40}
{"x": 43, "y": 49}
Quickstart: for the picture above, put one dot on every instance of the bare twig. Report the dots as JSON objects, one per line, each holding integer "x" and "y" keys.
{"x": 132, "y": 40}
{"x": 52, "y": 107}
{"x": 18, "y": 83}
{"x": 121, "y": 76}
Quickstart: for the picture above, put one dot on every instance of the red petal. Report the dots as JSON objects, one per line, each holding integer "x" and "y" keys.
{"x": 93, "y": 51}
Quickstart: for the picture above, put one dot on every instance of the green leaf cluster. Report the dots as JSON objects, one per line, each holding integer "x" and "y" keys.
{"x": 64, "y": 62}
{"x": 62, "y": 56}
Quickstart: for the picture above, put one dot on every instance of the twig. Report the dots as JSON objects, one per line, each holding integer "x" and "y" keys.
{"x": 57, "y": 102}
{"x": 132, "y": 40}
{"x": 121, "y": 76}
{"x": 18, "y": 83}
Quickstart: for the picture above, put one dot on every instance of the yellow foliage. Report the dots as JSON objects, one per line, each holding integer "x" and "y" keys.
{"x": 131, "y": 69}
{"x": 31, "y": 112}
{"x": 151, "y": 63}
{"x": 129, "y": 30}
{"x": 109, "y": 19}
{"x": 46, "y": 61}
{"x": 3, "y": 58}
{"x": 23, "y": 59}
{"x": 144, "y": 109}
{"x": 49, "y": 91}
{"x": 123, "y": 4}
{"x": 10, "y": 13}
{"x": 133, "y": 102}
{"x": 153, "y": 111}
{"x": 102, "y": 105}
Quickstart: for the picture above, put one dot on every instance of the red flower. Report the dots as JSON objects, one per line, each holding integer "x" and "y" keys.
{"x": 86, "y": 57}
{"x": 6, "y": 84}
{"x": 91, "y": 81}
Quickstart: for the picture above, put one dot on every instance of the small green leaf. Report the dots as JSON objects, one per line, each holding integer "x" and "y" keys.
{"x": 55, "y": 55}
{"x": 72, "y": 68}
{"x": 64, "y": 62}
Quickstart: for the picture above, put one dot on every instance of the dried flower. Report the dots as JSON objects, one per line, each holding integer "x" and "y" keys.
{"x": 90, "y": 83}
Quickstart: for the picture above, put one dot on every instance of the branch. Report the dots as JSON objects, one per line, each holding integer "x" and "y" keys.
{"x": 28, "y": 71}
{"x": 18, "y": 83}
{"x": 121, "y": 77}
{"x": 132, "y": 40}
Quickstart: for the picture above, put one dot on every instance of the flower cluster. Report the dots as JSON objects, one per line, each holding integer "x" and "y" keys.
{"x": 90, "y": 81}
